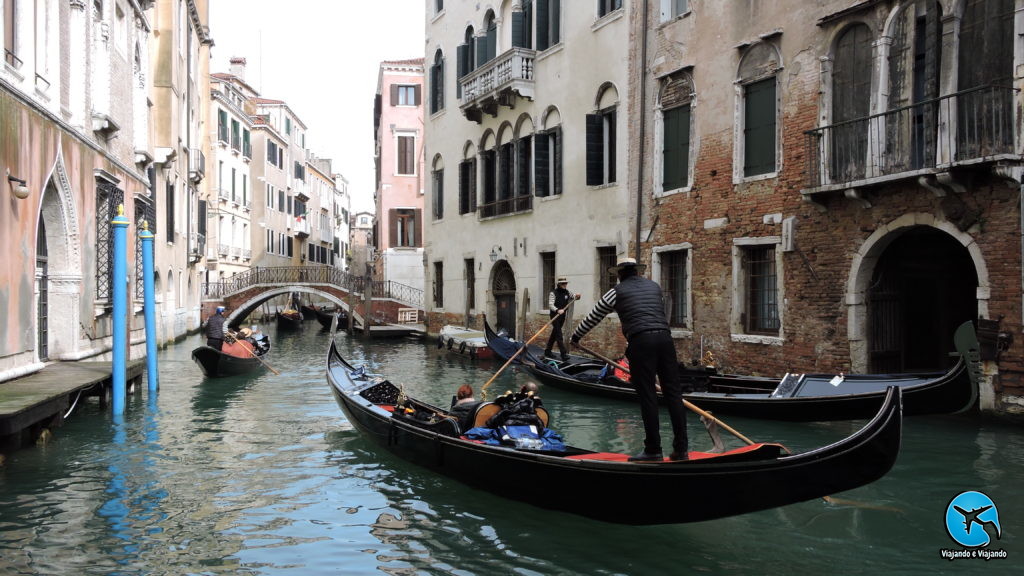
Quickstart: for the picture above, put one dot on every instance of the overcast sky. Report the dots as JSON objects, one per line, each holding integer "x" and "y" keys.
{"x": 321, "y": 57}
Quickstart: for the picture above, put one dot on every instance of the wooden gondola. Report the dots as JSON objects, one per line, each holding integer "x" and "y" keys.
{"x": 325, "y": 318}
{"x": 233, "y": 359}
{"x": 605, "y": 486}
{"x": 795, "y": 397}
{"x": 308, "y": 311}
{"x": 289, "y": 320}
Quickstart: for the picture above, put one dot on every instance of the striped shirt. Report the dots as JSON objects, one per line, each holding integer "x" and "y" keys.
{"x": 604, "y": 307}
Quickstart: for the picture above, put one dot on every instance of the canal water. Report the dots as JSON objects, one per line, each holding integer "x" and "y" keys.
{"x": 263, "y": 475}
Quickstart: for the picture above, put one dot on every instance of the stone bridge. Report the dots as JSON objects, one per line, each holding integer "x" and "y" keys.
{"x": 243, "y": 293}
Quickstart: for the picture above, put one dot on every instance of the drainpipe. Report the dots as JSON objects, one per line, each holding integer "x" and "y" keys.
{"x": 643, "y": 125}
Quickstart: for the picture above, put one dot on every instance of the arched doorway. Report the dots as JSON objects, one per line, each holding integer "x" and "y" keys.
{"x": 923, "y": 286}
{"x": 503, "y": 286}
{"x": 58, "y": 270}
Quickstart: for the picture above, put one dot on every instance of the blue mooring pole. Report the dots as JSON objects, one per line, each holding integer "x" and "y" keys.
{"x": 149, "y": 298}
{"x": 119, "y": 290}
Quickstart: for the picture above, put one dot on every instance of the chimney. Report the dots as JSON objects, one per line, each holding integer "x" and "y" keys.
{"x": 238, "y": 67}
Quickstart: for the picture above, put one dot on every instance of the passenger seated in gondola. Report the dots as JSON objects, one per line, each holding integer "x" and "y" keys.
{"x": 521, "y": 421}
{"x": 463, "y": 405}
{"x": 237, "y": 344}
{"x": 519, "y": 409}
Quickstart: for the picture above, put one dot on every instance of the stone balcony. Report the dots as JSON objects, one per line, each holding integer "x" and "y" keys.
{"x": 498, "y": 83}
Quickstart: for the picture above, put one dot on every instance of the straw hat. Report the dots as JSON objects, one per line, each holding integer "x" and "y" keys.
{"x": 562, "y": 280}
{"x": 245, "y": 332}
{"x": 626, "y": 262}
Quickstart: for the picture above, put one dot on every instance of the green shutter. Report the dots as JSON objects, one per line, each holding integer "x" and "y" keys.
{"x": 759, "y": 128}
{"x": 542, "y": 25}
{"x": 595, "y": 149}
{"x": 541, "y": 163}
{"x": 676, "y": 148}
{"x": 554, "y": 14}
{"x": 518, "y": 27}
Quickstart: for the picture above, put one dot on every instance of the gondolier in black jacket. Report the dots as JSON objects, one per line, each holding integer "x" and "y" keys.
{"x": 558, "y": 300}
{"x": 215, "y": 329}
{"x": 650, "y": 351}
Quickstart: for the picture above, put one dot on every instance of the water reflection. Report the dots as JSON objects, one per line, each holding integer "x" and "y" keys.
{"x": 263, "y": 475}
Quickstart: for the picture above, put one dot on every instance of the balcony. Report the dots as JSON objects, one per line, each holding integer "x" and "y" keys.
{"x": 497, "y": 83}
{"x": 224, "y": 194}
{"x": 300, "y": 227}
{"x": 506, "y": 206}
{"x": 197, "y": 246}
{"x": 926, "y": 140}
{"x": 223, "y": 249}
{"x": 246, "y": 253}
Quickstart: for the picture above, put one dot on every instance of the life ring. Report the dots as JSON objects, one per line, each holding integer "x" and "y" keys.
{"x": 462, "y": 347}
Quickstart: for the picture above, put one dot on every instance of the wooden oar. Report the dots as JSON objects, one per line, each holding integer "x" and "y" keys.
{"x": 252, "y": 352}
{"x": 483, "y": 390}
{"x": 686, "y": 402}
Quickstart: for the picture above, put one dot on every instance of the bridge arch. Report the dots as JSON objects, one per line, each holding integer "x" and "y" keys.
{"x": 244, "y": 304}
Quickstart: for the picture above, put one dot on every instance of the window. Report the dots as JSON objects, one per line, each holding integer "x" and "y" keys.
{"x": 605, "y": 260}
{"x": 760, "y": 291}
{"x": 287, "y": 125}
{"x": 547, "y": 277}
{"x": 506, "y": 175}
{"x": 601, "y": 148}
{"x": 488, "y": 160}
{"x": 222, "y": 126}
{"x": 437, "y": 83}
{"x": 467, "y": 186}
{"x": 487, "y": 45}
{"x": 405, "y": 95}
{"x": 438, "y": 5}
{"x": 270, "y": 241}
{"x": 10, "y": 46}
{"x": 245, "y": 189}
{"x": 108, "y": 198}
{"x": 280, "y": 201}
{"x": 851, "y": 81}
{"x": 522, "y": 25}
{"x": 406, "y": 157}
{"x": 404, "y": 228}
{"x": 437, "y": 179}
{"x": 236, "y": 136}
{"x": 674, "y": 284}
{"x": 524, "y": 165}
{"x": 272, "y": 153}
{"x": 759, "y": 128}
{"x": 673, "y": 9}
{"x": 470, "y": 284}
{"x": 170, "y": 211}
{"x": 234, "y": 174}
{"x": 438, "y": 284}
{"x": 549, "y": 14}
{"x": 299, "y": 171}
{"x": 270, "y": 197}
{"x": 465, "y": 59}
{"x": 607, "y": 6}
{"x": 675, "y": 98}
{"x": 246, "y": 144}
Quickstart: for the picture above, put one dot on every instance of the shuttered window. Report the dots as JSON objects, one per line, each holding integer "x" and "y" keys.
{"x": 676, "y": 152}
{"x": 404, "y": 224}
{"x": 488, "y": 157}
{"x": 759, "y": 128}
{"x": 438, "y": 286}
{"x": 438, "y": 192}
{"x": 437, "y": 83}
{"x": 601, "y": 148}
{"x": 524, "y": 163}
{"x": 467, "y": 186}
{"x": 986, "y": 44}
{"x": 522, "y": 26}
{"x": 406, "y": 159}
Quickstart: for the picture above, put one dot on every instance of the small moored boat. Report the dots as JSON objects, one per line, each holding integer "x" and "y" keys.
{"x": 289, "y": 319}
{"x": 605, "y": 486}
{"x": 464, "y": 341}
{"x": 325, "y": 317}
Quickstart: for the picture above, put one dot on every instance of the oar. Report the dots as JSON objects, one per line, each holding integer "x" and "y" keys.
{"x": 483, "y": 390}
{"x": 252, "y": 353}
{"x": 686, "y": 402}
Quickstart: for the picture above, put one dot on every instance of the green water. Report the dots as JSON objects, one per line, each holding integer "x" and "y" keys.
{"x": 263, "y": 475}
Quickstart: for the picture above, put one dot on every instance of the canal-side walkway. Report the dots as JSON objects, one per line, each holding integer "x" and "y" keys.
{"x": 41, "y": 400}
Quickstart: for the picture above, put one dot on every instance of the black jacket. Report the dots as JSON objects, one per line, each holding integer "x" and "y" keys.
{"x": 640, "y": 306}
{"x": 215, "y": 327}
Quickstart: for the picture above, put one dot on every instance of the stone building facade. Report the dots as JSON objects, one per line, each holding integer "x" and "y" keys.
{"x": 827, "y": 187}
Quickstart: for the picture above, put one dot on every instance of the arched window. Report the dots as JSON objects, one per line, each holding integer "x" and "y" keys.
{"x": 467, "y": 180}
{"x": 851, "y": 85}
{"x": 524, "y": 162}
{"x": 437, "y": 187}
{"x": 914, "y": 61}
{"x": 465, "y": 59}
{"x": 547, "y": 171}
{"x": 506, "y": 170}
{"x": 489, "y": 50}
{"x": 437, "y": 83}
{"x": 675, "y": 100}
{"x": 601, "y": 138}
{"x": 757, "y": 141}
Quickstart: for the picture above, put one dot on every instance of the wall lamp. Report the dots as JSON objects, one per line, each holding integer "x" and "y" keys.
{"x": 18, "y": 187}
{"x": 496, "y": 253}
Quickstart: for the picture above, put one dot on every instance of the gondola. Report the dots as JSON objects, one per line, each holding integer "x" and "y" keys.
{"x": 325, "y": 318}
{"x": 289, "y": 319}
{"x": 232, "y": 359}
{"x": 605, "y": 486}
{"x": 308, "y": 311}
{"x": 795, "y": 397}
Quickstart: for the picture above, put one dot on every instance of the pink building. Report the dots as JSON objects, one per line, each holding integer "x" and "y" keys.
{"x": 398, "y": 154}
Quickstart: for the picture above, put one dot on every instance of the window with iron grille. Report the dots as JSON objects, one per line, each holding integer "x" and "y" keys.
{"x": 108, "y": 198}
{"x": 761, "y": 312}
{"x": 674, "y": 285}
{"x": 438, "y": 284}
{"x": 547, "y": 276}
{"x": 470, "y": 283}
{"x": 606, "y": 260}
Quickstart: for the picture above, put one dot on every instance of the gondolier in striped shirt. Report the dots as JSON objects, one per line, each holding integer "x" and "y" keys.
{"x": 650, "y": 351}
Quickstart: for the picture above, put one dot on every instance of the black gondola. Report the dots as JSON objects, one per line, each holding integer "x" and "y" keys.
{"x": 606, "y": 486}
{"x": 796, "y": 397}
{"x": 325, "y": 318}
{"x": 289, "y": 320}
{"x": 308, "y": 312}
{"x": 216, "y": 364}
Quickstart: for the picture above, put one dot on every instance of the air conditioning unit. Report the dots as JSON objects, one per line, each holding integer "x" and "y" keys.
{"x": 196, "y": 165}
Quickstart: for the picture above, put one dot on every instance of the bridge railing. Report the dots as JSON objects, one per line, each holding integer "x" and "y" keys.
{"x": 285, "y": 275}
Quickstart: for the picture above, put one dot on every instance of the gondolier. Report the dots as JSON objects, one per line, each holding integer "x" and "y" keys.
{"x": 650, "y": 351}
{"x": 215, "y": 329}
{"x": 558, "y": 300}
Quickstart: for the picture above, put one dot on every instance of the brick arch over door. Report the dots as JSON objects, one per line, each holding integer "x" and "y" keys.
{"x": 867, "y": 259}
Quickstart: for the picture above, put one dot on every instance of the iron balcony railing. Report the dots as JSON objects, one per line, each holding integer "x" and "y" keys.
{"x": 966, "y": 127}
{"x": 285, "y": 275}
{"x": 513, "y": 205}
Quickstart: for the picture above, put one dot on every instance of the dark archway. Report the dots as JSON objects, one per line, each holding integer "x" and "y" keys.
{"x": 923, "y": 287}
{"x": 503, "y": 286}
{"x": 43, "y": 300}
